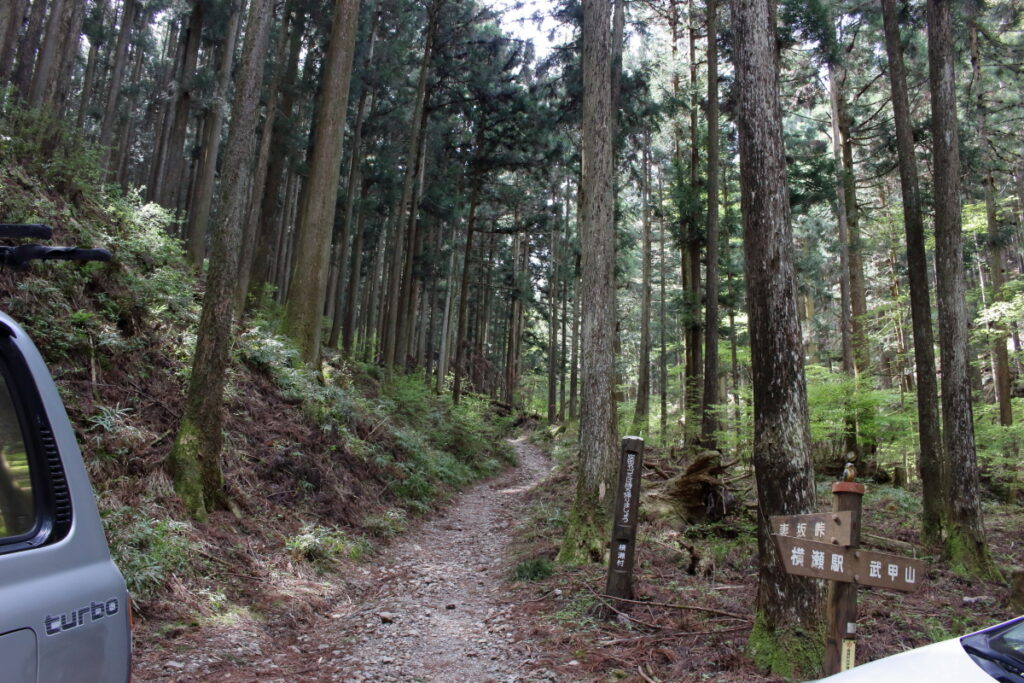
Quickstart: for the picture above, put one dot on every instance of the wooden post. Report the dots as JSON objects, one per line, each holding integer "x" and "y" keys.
{"x": 627, "y": 503}
{"x": 842, "y": 597}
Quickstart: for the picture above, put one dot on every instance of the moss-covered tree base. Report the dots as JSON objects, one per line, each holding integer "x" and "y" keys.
{"x": 186, "y": 469}
{"x": 791, "y": 652}
{"x": 969, "y": 557}
{"x": 586, "y": 535}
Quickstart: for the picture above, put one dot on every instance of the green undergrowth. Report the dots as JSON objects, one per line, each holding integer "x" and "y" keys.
{"x": 149, "y": 550}
{"x": 324, "y": 462}
{"x": 426, "y": 446}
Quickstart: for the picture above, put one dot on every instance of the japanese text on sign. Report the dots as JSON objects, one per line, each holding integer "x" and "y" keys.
{"x": 865, "y": 567}
{"x": 826, "y": 527}
{"x": 627, "y": 488}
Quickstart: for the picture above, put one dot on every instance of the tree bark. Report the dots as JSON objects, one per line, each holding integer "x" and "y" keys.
{"x": 407, "y": 210}
{"x": 997, "y": 265}
{"x": 355, "y": 187}
{"x": 28, "y": 47}
{"x": 194, "y": 460}
{"x": 271, "y": 203}
{"x": 710, "y": 396}
{"x": 585, "y": 537}
{"x": 966, "y": 547}
{"x": 305, "y": 300}
{"x": 174, "y": 152}
{"x": 202, "y": 199}
{"x": 788, "y": 608}
{"x": 694, "y": 365}
{"x": 43, "y": 74}
{"x": 463, "y": 322}
{"x": 553, "y": 275}
{"x": 643, "y": 384}
{"x": 12, "y": 15}
{"x": 259, "y": 183}
{"x": 930, "y": 459}
{"x": 116, "y": 78}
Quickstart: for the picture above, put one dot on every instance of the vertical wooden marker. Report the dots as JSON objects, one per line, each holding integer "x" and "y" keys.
{"x": 840, "y": 641}
{"x": 627, "y": 504}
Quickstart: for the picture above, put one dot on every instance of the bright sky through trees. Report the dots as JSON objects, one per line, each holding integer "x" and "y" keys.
{"x": 531, "y": 20}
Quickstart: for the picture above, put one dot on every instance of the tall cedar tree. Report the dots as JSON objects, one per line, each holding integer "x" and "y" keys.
{"x": 709, "y": 397}
{"x": 194, "y": 460}
{"x": 585, "y": 537}
{"x": 930, "y": 459}
{"x": 965, "y": 535}
{"x": 305, "y": 301}
{"x": 788, "y": 627}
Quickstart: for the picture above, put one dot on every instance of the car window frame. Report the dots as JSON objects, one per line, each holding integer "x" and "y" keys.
{"x": 45, "y": 468}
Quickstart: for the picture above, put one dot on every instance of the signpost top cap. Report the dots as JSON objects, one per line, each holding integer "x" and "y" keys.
{"x": 848, "y": 487}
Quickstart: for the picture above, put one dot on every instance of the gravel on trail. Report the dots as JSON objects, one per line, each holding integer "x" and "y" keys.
{"x": 435, "y": 607}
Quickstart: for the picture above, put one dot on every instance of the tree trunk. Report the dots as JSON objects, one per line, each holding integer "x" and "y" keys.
{"x": 1000, "y": 357}
{"x": 44, "y": 71}
{"x": 271, "y": 203}
{"x": 59, "y": 88}
{"x": 694, "y": 366}
{"x": 788, "y": 608}
{"x": 174, "y": 152}
{"x": 575, "y": 363}
{"x": 407, "y": 210}
{"x": 587, "y": 530}
{"x": 116, "y": 78}
{"x": 930, "y": 459}
{"x": 709, "y": 398}
{"x": 89, "y": 78}
{"x": 305, "y": 300}
{"x": 407, "y": 289}
{"x": 355, "y": 273}
{"x": 463, "y": 322}
{"x": 202, "y": 199}
{"x": 259, "y": 183}
{"x": 837, "y": 75}
{"x": 965, "y": 539}
{"x": 12, "y": 16}
{"x": 194, "y": 460}
{"x": 553, "y": 274}
{"x": 643, "y": 384}
{"x": 343, "y": 295}
{"x": 28, "y": 48}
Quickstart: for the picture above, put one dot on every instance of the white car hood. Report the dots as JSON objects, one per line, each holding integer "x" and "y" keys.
{"x": 943, "y": 662}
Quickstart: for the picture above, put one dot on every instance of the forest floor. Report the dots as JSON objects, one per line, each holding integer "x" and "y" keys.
{"x": 435, "y": 606}
{"x": 471, "y": 595}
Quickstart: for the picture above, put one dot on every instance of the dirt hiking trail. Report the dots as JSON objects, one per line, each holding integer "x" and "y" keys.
{"x": 435, "y": 607}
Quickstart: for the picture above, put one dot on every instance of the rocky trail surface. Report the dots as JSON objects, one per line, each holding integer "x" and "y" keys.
{"x": 434, "y": 607}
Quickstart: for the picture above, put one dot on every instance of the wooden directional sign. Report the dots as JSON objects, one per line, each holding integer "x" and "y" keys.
{"x": 849, "y": 565}
{"x": 825, "y": 527}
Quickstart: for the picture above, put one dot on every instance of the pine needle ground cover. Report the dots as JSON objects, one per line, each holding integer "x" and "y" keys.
{"x": 695, "y": 583}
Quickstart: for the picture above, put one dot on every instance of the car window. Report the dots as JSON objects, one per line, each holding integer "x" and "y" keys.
{"x": 1011, "y": 642}
{"x": 17, "y": 502}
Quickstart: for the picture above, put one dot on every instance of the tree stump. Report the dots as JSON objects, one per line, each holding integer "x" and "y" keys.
{"x": 698, "y": 492}
{"x": 900, "y": 479}
{"x": 1017, "y": 589}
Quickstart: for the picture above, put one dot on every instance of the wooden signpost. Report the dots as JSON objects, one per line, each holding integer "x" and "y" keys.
{"x": 627, "y": 504}
{"x": 825, "y": 546}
